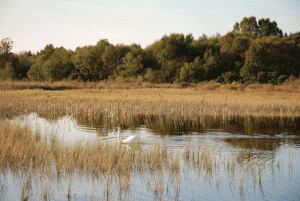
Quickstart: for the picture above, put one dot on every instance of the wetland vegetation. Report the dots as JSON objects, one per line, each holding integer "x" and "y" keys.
{"x": 207, "y": 136}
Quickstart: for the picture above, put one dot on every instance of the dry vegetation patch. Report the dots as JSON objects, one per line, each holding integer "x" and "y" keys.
{"x": 196, "y": 101}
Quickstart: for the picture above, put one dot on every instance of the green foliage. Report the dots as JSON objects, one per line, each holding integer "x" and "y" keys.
{"x": 8, "y": 61}
{"x": 267, "y": 77}
{"x": 249, "y": 25}
{"x": 23, "y": 66}
{"x": 112, "y": 58}
{"x": 168, "y": 72}
{"x": 264, "y": 27}
{"x": 282, "y": 78}
{"x": 228, "y": 77}
{"x": 236, "y": 28}
{"x": 174, "y": 47}
{"x": 269, "y": 54}
{"x": 35, "y": 72}
{"x": 187, "y": 73}
{"x": 88, "y": 64}
{"x": 130, "y": 65}
{"x": 211, "y": 65}
{"x": 7, "y": 73}
{"x": 150, "y": 75}
{"x": 252, "y": 52}
{"x": 6, "y": 45}
{"x": 268, "y": 28}
{"x": 58, "y": 66}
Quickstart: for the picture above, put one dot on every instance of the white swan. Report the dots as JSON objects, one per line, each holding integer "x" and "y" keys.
{"x": 130, "y": 139}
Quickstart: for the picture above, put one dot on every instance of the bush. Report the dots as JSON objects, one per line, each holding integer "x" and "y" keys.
{"x": 228, "y": 77}
{"x": 220, "y": 79}
{"x": 272, "y": 77}
{"x": 262, "y": 77}
{"x": 267, "y": 77}
{"x": 292, "y": 82}
{"x": 282, "y": 78}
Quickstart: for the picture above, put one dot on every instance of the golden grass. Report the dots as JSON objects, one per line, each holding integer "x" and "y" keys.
{"x": 29, "y": 154}
{"x": 189, "y": 103}
{"x": 21, "y": 150}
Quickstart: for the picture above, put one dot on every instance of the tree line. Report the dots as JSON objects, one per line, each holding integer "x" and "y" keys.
{"x": 254, "y": 51}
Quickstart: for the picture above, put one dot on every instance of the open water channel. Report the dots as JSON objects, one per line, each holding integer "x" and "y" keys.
{"x": 273, "y": 143}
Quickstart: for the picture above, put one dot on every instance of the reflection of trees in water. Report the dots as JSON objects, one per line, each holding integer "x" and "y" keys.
{"x": 249, "y": 126}
{"x": 235, "y": 125}
{"x": 164, "y": 125}
{"x": 266, "y": 144}
{"x": 262, "y": 125}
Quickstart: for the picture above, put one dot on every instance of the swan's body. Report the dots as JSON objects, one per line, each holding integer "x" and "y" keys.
{"x": 130, "y": 139}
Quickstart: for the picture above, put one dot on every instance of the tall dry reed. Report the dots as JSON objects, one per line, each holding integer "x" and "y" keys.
{"x": 22, "y": 151}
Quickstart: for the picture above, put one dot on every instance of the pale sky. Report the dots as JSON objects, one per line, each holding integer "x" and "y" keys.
{"x": 32, "y": 24}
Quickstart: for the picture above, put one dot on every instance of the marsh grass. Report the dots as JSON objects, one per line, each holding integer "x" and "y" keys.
{"x": 29, "y": 154}
{"x": 173, "y": 105}
{"x": 164, "y": 108}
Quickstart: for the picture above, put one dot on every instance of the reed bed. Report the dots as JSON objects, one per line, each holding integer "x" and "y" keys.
{"x": 175, "y": 105}
{"x": 26, "y": 153}
{"x": 167, "y": 108}
{"x": 290, "y": 85}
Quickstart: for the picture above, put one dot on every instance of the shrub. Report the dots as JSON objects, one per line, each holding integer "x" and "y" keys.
{"x": 228, "y": 77}
{"x": 220, "y": 79}
{"x": 267, "y": 77}
{"x": 184, "y": 84}
{"x": 282, "y": 78}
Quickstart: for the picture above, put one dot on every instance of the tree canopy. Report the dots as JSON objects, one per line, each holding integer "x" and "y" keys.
{"x": 264, "y": 27}
{"x": 255, "y": 51}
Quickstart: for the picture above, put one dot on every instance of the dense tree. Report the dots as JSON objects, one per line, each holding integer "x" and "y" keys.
{"x": 169, "y": 71}
{"x": 130, "y": 65}
{"x": 247, "y": 25}
{"x": 202, "y": 44}
{"x": 88, "y": 64}
{"x": 210, "y": 66}
{"x": 8, "y": 61}
{"x": 112, "y": 57}
{"x": 149, "y": 58}
{"x": 192, "y": 72}
{"x": 102, "y": 44}
{"x": 268, "y": 28}
{"x": 51, "y": 64}
{"x": 150, "y": 76}
{"x": 232, "y": 51}
{"x": 36, "y": 69}
{"x": 252, "y": 52}
{"x": 264, "y": 27}
{"x": 24, "y": 64}
{"x": 58, "y": 66}
{"x": 175, "y": 47}
{"x": 6, "y": 45}
{"x": 48, "y": 51}
{"x": 270, "y": 54}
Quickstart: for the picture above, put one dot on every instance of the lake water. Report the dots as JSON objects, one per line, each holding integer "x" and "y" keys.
{"x": 273, "y": 143}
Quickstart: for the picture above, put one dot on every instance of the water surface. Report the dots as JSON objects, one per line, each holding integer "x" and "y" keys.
{"x": 273, "y": 146}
